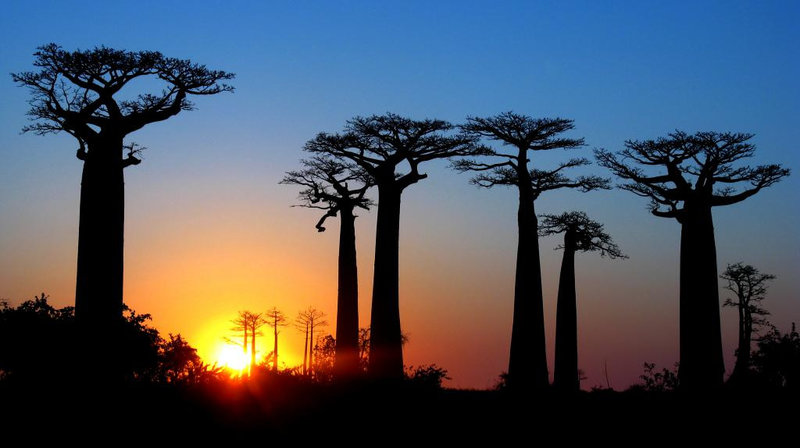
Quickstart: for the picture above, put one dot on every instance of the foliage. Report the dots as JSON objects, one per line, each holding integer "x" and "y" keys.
{"x": 40, "y": 342}
{"x": 750, "y": 287}
{"x": 427, "y": 376}
{"x": 36, "y": 338}
{"x": 777, "y": 360}
{"x": 658, "y": 381}
{"x": 74, "y": 91}
{"x": 324, "y": 358}
{"x": 583, "y": 234}
{"x": 690, "y": 163}
{"x": 180, "y": 363}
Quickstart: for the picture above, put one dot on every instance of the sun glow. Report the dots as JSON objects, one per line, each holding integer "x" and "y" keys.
{"x": 232, "y": 357}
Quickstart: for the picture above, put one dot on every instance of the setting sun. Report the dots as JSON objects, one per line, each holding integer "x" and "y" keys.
{"x": 232, "y": 357}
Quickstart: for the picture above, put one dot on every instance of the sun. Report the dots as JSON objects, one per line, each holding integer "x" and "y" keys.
{"x": 232, "y": 357}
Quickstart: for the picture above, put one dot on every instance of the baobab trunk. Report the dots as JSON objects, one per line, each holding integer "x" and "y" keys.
{"x": 252, "y": 349}
{"x": 565, "y": 375}
{"x": 305, "y": 353}
{"x": 386, "y": 349}
{"x": 275, "y": 350}
{"x": 701, "y": 363}
{"x": 98, "y": 291}
{"x": 527, "y": 365}
{"x": 346, "y": 362}
{"x": 311, "y": 350}
{"x": 742, "y": 366}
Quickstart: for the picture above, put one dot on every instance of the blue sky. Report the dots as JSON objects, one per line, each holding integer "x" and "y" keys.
{"x": 621, "y": 70}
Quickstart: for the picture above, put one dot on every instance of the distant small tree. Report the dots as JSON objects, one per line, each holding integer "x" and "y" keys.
{"x": 581, "y": 234}
{"x": 311, "y": 319}
{"x": 275, "y": 319}
{"x": 750, "y": 286}
{"x": 684, "y": 176}
{"x": 248, "y": 323}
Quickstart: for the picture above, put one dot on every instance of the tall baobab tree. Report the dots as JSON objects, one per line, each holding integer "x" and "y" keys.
{"x": 750, "y": 286}
{"x": 523, "y": 136}
{"x": 581, "y": 234}
{"x": 87, "y": 94}
{"x": 338, "y": 188}
{"x": 310, "y": 319}
{"x": 390, "y": 149}
{"x": 684, "y": 176}
{"x": 275, "y": 319}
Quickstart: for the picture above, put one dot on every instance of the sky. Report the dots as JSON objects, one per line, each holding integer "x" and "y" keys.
{"x": 209, "y": 231}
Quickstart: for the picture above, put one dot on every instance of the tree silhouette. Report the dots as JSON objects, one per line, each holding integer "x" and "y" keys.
{"x": 81, "y": 93}
{"x": 275, "y": 319}
{"x": 324, "y": 358}
{"x": 527, "y": 365}
{"x": 309, "y": 319}
{"x": 584, "y": 235}
{"x": 338, "y": 188}
{"x": 390, "y": 148}
{"x": 778, "y": 359}
{"x": 750, "y": 286}
{"x": 686, "y": 176}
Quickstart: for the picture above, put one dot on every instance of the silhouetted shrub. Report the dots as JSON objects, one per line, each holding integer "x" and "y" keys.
{"x": 777, "y": 360}
{"x": 430, "y": 376}
{"x": 653, "y": 380}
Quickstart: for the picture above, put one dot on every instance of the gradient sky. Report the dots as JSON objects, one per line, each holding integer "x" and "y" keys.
{"x": 209, "y": 231}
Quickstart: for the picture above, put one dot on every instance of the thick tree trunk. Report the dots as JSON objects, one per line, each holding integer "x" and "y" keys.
{"x": 527, "y": 365}
{"x": 701, "y": 363}
{"x": 565, "y": 374}
{"x": 386, "y": 349}
{"x": 98, "y": 291}
{"x": 346, "y": 362}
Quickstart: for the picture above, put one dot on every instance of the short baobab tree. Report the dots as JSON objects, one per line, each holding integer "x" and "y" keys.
{"x": 338, "y": 188}
{"x": 581, "y": 234}
{"x": 749, "y": 286}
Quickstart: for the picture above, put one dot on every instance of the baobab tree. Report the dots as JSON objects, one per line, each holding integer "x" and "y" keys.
{"x": 248, "y": 323}
{"x": 338, "y": 188}
{"x": 523, "y": 135}
{"x": 684, "y": 176}
{"x": 87, "y": 94}
{"x": 749, "y": 286}
{"x": 309, "y": 319}
{"x": 390, "y": 149}
{"x": 581, "y": 234}
{"x": 275, "y": 319}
